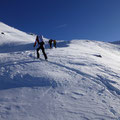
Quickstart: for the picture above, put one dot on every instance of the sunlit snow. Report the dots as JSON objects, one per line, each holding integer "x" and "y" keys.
{"x": 80, "y": 80}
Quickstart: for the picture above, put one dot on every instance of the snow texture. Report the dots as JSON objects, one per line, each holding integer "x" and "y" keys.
{"x": 80, "y": 80}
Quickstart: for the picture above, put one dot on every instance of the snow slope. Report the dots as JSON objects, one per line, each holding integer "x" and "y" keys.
{"x": 80, "y": 80}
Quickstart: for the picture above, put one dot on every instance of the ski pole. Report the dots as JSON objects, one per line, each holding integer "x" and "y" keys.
{"x": 34, "y": 53}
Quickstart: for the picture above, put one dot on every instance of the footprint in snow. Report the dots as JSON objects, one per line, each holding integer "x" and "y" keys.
{"x": 112, "y": 110}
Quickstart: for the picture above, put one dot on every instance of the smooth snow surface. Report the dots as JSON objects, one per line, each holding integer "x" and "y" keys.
{"x": 80, "y": 80}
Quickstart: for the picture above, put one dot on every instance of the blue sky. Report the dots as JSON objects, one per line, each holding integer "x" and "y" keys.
{"x": 64, "y": 19}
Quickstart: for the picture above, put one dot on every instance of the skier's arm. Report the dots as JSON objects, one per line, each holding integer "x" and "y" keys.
{"x": 36, "y": 41}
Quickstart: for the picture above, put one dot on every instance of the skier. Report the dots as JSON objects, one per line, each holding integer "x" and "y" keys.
{"x": 40, "y": 42}
{"x": 50, "y": 43}
{"x": 54, "y": 41}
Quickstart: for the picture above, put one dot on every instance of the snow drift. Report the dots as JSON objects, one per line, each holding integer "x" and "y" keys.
{"x": 80, "y": 80}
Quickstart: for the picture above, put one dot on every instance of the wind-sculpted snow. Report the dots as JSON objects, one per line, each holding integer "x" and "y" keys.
{"x": 80, "y": 80}
{"x": 108, "y": 85}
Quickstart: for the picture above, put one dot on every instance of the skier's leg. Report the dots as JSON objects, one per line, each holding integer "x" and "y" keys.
{"x": 43, "y": 50}
{"x": 54, "y": 45}
{"x": 38, "y": 55}
{"x": 50, "y": 45}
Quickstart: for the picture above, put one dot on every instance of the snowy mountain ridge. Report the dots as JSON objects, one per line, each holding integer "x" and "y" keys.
{"x": 11, "y": 34}
{"x": 80, "y": 80}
